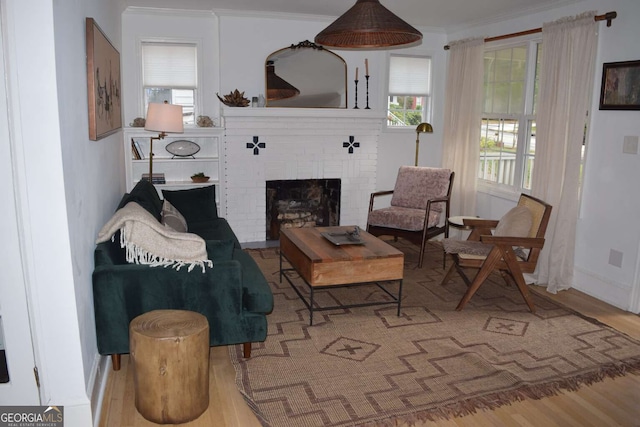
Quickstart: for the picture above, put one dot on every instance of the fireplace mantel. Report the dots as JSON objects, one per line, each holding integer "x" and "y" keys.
{"x": 346, "y": 113}
{"x": 265, "y": 144}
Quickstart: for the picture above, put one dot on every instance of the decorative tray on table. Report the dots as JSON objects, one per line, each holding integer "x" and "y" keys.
{"x": 344, "y": 238}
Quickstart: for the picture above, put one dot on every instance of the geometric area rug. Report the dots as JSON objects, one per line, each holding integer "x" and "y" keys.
{"x": 366, "y": 366}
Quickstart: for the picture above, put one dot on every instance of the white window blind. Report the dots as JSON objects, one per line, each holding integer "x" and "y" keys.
{"x": 409, "y": 75}
{"x": 169, "y": 65}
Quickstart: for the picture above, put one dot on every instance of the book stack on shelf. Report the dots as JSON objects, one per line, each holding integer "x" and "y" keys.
{"x": 157, "y": 178}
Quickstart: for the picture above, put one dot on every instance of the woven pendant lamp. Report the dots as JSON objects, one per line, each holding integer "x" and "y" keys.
{"x": 277, "y": 87}
{"x": 368, "y": 24}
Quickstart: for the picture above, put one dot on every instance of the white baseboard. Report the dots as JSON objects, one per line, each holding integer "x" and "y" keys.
{"x": 77, "y": 415}
{"x": 97, "y": 386}
{"x": 611, "y": 292}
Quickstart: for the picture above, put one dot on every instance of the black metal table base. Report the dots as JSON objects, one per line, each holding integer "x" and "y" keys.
{"x": 395, "y": 299}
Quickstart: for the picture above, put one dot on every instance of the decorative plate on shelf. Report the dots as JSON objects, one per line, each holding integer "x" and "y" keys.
{"x": 182, "y": 148}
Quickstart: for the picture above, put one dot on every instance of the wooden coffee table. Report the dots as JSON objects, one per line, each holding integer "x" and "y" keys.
{"x": 322, "y": 264}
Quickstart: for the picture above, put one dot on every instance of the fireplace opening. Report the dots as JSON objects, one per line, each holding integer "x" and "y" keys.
{"x": 301, "y": 203}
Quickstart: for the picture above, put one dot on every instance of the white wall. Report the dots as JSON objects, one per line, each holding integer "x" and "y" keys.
{"x": 198, "y": 27}
{"x": 610, "y": 202}
{"x": 60, "y": 164}
{"x": 93, "y": 174}
{"x": 247, "y": 40}
{"x": 397, "y": 147}
{"x": 611, "y": 196}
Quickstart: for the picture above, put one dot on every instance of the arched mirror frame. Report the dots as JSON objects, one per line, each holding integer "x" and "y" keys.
{"x": 309, "y": 77}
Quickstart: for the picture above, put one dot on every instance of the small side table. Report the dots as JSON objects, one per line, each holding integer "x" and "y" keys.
{"x": 455, "y": 222}
{"x": 458, "y": 222}
{"x": 170, "y": 357}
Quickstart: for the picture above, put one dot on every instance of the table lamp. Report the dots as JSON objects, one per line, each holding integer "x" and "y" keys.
{"x": 162, "y": 118}
{"x": 422, "y": 128}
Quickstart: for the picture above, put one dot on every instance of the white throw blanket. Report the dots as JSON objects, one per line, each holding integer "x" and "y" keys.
{"x": 149, "y": 242}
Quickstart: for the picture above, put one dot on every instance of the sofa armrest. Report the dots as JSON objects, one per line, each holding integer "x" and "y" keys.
{"x": 257, "y": 296}
{"x": 373, "y": 196}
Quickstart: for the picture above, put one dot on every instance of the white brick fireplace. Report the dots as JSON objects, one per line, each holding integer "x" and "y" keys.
{"x": 264, "y": 144}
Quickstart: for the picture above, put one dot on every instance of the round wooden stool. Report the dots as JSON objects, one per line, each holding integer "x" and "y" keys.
{"x": 170, "y": 358}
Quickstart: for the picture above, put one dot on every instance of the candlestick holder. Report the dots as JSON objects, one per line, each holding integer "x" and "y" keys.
{"x": 356, "y": 107}
{"x": 367, "y": 107}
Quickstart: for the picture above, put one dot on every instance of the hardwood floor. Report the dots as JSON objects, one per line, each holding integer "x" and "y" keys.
{"x": 612, "y": 402}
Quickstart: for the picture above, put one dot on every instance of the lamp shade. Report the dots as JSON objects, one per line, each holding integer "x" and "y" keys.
{"x": 277, "y": 87}
{"x": 424, "y": 128}
{"x": 368, "y": 24}
{"x": 164, "y": 117}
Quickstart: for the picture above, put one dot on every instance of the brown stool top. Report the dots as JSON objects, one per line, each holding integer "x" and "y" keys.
{"x": 169, "y": 324}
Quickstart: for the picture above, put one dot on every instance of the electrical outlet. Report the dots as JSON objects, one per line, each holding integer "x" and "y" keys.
{"x": 630, "y": 145}
{"x": 615, "y": 258}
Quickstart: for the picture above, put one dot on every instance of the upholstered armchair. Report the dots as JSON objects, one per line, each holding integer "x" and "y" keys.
{"x": 419, "y": 199}
{"x": 510, "y": 246}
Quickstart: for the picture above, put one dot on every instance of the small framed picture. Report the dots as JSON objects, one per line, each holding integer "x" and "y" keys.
{"x": 620, "y": 86}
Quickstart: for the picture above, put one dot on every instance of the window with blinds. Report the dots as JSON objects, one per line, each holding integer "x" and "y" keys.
{"x": 409, "y": 90}
{"x": 508, "y": 129}
{"x": 169, "y": 73}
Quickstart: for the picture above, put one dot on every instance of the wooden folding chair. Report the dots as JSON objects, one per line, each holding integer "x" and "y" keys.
{"x": 510, "y": 249}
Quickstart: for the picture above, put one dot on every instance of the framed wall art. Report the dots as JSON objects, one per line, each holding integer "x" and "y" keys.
{"x": 620, "y": 86}
{"x": 103, "y": 83}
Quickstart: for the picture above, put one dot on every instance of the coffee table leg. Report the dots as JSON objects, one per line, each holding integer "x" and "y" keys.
{"x": 280, "y": 266}
{"x": 399, "y": 296}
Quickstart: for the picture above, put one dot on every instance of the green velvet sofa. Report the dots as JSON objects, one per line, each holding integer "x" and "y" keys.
{"x": 234, "y": 295}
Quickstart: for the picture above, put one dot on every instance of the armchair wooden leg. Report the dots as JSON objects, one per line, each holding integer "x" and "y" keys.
{"x": 115, "y": 361}
{"x": 246, "y": 347}
{"x": 487, "y": 267}
{"x": 511, "y": 261}
{"x": 447, "y": 276}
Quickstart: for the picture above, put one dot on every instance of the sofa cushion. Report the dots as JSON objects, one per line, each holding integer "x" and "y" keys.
{"x": 197, "y": 205}
{"x": 402, "y": 218}
{"x": 144, "y": 194}
{"x": 220, "y": 250}
{"x": 415, "y": 185}
{"x": 217, "y": 229}
{"x": 172, "y": 218}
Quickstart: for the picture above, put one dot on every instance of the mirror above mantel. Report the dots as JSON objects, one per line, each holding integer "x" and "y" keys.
{"x": 306, "y": 75}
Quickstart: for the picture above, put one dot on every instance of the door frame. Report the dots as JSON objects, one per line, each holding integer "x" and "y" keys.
{"x": 22, "y": 388}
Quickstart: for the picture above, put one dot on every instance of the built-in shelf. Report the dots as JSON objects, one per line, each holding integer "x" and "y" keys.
{"x": 177, "y": 170}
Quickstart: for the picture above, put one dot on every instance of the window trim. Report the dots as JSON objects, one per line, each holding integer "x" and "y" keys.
{"x": 425, "y": 117}
{"x": 198, "y": 101}
{"x": 508, "y": 191}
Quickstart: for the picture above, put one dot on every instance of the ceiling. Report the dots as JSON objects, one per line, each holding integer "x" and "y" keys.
{"x": 442, "y": 14}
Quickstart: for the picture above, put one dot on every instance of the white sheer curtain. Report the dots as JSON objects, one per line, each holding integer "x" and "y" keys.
{"x": 463, "y": 110}
{"x": 566, "y": 82}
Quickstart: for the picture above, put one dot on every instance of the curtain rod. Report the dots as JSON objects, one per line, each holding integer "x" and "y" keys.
{"x": 609, "y": 16}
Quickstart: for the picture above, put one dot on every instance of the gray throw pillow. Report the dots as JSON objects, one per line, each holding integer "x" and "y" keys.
{"x": 172, "y": 218}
